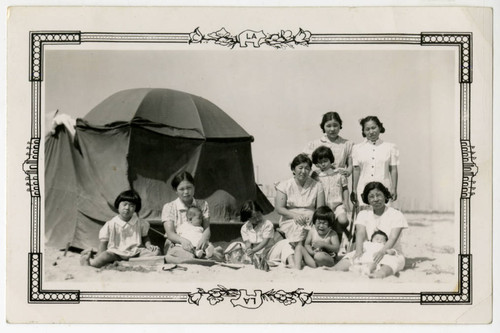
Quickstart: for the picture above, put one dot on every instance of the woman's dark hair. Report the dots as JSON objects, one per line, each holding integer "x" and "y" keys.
{"x": 324, "y": 213}
{"x": 322, "y": 152}
{"x": 299, "y": 159}
{"x": 181, "y": 177}
{"x": 379, "y": 232}
{"x": 375, "y": 185}
{"x": 375, "y": 120}
{"x": 330, "y": 116}
{"x": 247, "y": 210}
{"x": 130, "y": 196}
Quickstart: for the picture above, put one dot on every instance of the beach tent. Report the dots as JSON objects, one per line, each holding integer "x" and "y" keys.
{"x": 141, "y": 138}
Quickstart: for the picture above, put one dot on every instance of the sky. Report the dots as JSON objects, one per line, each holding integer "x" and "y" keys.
{"x": 279, "y": 97}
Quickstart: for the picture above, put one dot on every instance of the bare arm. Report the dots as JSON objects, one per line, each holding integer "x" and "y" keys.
{"x": 103, "y": 246}
{"x": 393, "y": 170}
{"x": 175, "y": 238}
{"x": 308, "y": 244}
{"x": 393, "y": 238}
{"x": 259, "y": 246}
{"x": 360, "y": 238}
{"x": 147, "y": 243}
{"x": 320, "y": 200}
{"x": 332, "y": 246}
{"x": 205, "y": 238}
{"x": 280, "y": 207}
{"x": 345, "y": 198}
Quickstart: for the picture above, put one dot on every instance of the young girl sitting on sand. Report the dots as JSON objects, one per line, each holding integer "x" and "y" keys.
{"x": 322, "y": 242}
{"x": 364, "y": 265}
{"x": 256, "y": 233}
{"x": 123, "y": 236}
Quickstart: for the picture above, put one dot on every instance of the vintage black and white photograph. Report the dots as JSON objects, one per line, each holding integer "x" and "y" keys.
{"x": 251, "y": 164}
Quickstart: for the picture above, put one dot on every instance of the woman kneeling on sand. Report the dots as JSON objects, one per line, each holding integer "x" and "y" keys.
{"x": 388, "y": 260}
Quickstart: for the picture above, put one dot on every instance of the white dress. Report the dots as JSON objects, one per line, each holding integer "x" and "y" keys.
{"x": 390, "y": 219}
{"x": 373, "y": 160}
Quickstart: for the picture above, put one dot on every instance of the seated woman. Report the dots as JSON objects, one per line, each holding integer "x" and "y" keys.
{"x": 383, "y": 218}
{"x": 174, "y": 214}
{"x": 296, "y": 200}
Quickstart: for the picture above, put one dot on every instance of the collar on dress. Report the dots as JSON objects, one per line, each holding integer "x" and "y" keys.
{"x": 181, "y": 206}
{"x": 133, "y": 220}
{"x": 376, "y": 143}
{"x": 325, "y": 139}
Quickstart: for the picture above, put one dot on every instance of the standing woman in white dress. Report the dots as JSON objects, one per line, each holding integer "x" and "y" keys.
{"x": 374, "y": 160}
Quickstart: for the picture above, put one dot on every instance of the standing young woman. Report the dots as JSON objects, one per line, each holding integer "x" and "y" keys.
{"x": 331, "y": 124}
{"x": 374, "y": 160}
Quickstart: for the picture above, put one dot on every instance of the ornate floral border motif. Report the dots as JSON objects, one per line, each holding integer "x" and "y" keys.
{"x": 253, "y": 300}
{"x": 279, "y": 40}
{"x": 252, "y": 38}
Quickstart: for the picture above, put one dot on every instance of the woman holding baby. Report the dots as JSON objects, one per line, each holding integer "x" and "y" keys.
{"x": 174, "y": 216}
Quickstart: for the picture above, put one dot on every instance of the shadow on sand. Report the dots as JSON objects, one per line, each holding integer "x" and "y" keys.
{"x": 411, "y": 263}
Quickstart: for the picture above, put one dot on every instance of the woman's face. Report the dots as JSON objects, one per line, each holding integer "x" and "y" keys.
{"x": 126, "y": 209}
{"x": 185, "y": 191}
{"x": 376, "y": 199}
{"x": 371, "y": 130}
{"x": 301, "y": 171}
{"x": 332, "y": 129}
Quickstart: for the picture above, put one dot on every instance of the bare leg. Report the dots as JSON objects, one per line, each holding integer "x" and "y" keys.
{"x": 308, "y": 260}
{"x": 323, "y": 259}
{"x": 343, "y": 265}
{"x": 104, "y": 258}
{"x": 381, "y": 273}
{"x": 297, "y": 260}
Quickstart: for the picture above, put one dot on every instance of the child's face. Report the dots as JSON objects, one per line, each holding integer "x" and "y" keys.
{"x": 322, "y": 226}
{"x": 194, "y": 216}
{"x": 324, "y": 164}
{"x": 126, "y": 209}
{"x": 256, "y": 218}
{"x": 379, "y": 239}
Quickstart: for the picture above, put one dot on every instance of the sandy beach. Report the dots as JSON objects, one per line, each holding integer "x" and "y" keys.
{"x": 429, "y": 244}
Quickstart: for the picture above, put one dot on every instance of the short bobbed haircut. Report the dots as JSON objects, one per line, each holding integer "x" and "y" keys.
{"x": 379, "y": 232}
{"x": 375, "y": 120}
{"x": 322, "y": 152}
{"x": 184, "y": 175}
{"x": 375, "y": 185}
{"x": 324, "y": 213}
{"x": 330, "y": 116}
{"x": 299, "y": 159}
{"x": 248, "y": 209}
{"x": 130, "y": 196}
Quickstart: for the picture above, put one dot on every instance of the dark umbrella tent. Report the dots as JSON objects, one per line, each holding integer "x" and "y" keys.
{"x": 141, "y": 138}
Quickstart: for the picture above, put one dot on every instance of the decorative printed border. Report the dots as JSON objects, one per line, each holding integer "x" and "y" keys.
{"x": 279, "y": 40}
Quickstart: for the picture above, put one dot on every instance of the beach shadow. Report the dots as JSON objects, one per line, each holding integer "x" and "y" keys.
{"x": 411, "y": 263}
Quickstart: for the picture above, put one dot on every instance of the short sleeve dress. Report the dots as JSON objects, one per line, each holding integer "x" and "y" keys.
{"x": 390, "y": 219}
{"x": 124, "y": 238}
{"x": 301, "y": 200}
{"x": 373, "y": 160}
{"x": 175, "y": 211}
{"x": 341, "y": 149}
